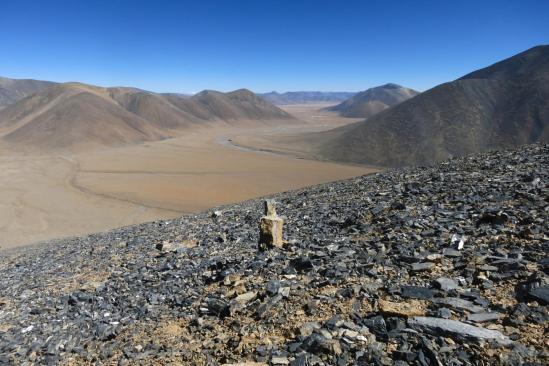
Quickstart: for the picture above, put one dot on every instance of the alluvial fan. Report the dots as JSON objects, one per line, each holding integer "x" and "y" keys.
{"x": 439, "y": 265}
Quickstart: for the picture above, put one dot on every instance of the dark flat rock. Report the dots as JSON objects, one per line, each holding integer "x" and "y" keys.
{"x": 423, "y": 266}
{"x": 461, "y": 304}
{"x": 416, "y": 292}
{"x": 451, "y": 252}
{"x": 456, "y": 329}
{"x": 541, "y": 294}
{"x": 483, "y": 317}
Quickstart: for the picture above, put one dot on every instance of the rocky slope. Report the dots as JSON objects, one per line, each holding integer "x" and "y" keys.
{"x": 441, "y": 265}
{"x": 374, "y": 100}
{"x": 501, "y": 106}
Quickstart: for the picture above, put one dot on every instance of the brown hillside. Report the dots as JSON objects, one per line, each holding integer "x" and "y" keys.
{"x": 501, "y": 106}
{"x": 75, "y": 116}
{"x": 374, "y": 100}
{"x": 67, "y": 116}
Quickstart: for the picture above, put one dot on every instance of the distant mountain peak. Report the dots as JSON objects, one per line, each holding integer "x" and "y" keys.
{"x": 390, "y": 86}
{"x": 500, "y": 106}
{"x": 207, "y": 92}
{"x": 525, "y": 64}
{"x": 242, "y": 93}
{"x": 374, "y": 100}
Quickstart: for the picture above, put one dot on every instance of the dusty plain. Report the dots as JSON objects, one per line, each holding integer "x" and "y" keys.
{"x": 50, "y": 196}
{"x": 292, "y": 140}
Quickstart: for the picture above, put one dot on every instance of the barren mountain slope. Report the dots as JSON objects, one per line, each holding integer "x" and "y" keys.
{"x": 69, "y": 115}
{"x": 369, "y": 102}
{"x": 75, "y": 116}
{"x": 501, "y": 106}
{"x": 440, "y": 265}
{"x": 153, "y": 107}
{"x": 13, "y": 90}
{"x": 238, "y": 104}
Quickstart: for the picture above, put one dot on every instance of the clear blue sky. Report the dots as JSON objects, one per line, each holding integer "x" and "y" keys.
{"x": 263, "y": 45}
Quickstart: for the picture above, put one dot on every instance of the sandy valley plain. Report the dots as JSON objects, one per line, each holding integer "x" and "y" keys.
{"x": 50, "y": 196}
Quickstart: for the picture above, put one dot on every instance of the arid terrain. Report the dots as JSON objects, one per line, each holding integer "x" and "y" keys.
{"x": 439, "y": 265}
{"x": 274, "y": 183}
{"x": 54, "y": 195}
{"x": 293, "y": 140}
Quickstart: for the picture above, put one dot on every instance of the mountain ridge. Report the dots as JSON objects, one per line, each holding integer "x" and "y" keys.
{"x": 13, "y": 90}
{"x": 503, "y": 105}
{"x": 77, "y": 115}
{"x": 373, "y": 100}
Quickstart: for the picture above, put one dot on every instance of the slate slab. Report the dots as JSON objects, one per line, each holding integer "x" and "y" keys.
{"x": 457, "y": 329}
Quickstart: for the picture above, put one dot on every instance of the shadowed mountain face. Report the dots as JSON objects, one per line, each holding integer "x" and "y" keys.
{"x": 303, "y": 97}
{"x": 77, "y": 116}
{"x": 504, "y": 105}
{"x": 13, "y": 90}
{"x": 369, "y": 102}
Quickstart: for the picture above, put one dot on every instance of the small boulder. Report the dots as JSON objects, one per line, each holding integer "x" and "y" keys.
{"x": 402, "y": 309}
{"x": 446, "y": 284}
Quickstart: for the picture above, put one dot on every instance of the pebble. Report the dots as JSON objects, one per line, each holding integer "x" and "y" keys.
{"x": 279, "y": 361}
{"x": 424, "y": 266}
{"x": 405, "y": 309}
{"x": 446, "y": 284}
{"x": 246, "y": 297}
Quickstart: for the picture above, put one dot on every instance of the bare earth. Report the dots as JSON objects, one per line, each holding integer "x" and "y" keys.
{"x": 45, "y": 197}
{"x": 291, "y": 140}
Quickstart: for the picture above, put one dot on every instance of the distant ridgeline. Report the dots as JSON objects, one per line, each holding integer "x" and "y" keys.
{"x": 304, "y": 97}
{"x": 74, "y": 115}
{"x": 369, "y": 102}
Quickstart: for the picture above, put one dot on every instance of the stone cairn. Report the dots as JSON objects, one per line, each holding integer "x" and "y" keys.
{"x": 270, "y": 227}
